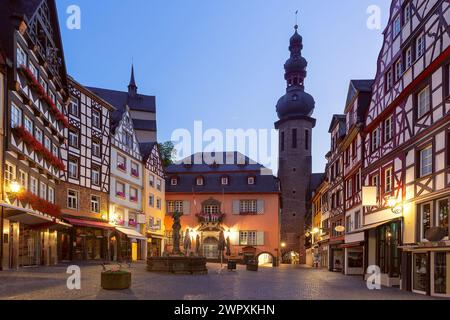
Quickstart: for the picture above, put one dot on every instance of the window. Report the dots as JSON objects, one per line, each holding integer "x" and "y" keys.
{"x": 426, "y": 161}
{"x": 23, "y": 179}
{"x": 120, "y": 189}
{"x": 354, "y": 148}
{"x": 442, "y": 215}
{"x": 357, "y": 220}
{"x": 407, "y": 13}
{"x": 199, "y": 181}
{"x": 358, "y": 182}
{"x": 74, "y": 106}
{"x": 306, "y": 139}
{"x": 376, "y": 183}
{"x": 34, "y": 70}
{"x": 448, "y": 148}
{"x": 376, "y": 139}
{"x": 282, "y": 138}
{"x": 95, "y": 176}
{"x": 174, "y": 206}
{"x": 151, "y": 181}
{"x": 248, "y": 206}
{"x": 348, "y": 223}
{"x": 397, "y": 26}
{"x": 211, "y": 209}
{"x": 448, "y": 80}
{"x": 158, "y": 184}
{"x": 95, "y": 204}
{"x": 73, "y": 168}
{"x": 96, "y": 119}
{"x": 420, "y": 46}
{"x": 128, "y": 140}
{"x": 158, "y": 203}
{"x": 423, "y": 102}
{"x": 294, "y": 138}
{"x": 72, "y": 199}
{"x": 47, "y": 143}
{"x": 133, "y": 195}
{"x": 388, "y": 129}
{"x": 51, "y": 195}
{"x": 389, "y": 80}
{"x": 247, "y": 238}
{"x": 96, "y": 148}
{"x": 38, "y": 134}
{"x": 43, "y": 191}
{"x": 52, "y": 96}
{"x": 251, "y": 180}
{"x": 55, "y": 150}
{"x": 388, "y": 180}
{"x": 151, "y": 200}
{"x": 34, "y": 186}
{"x": 74, "y": 138}
{"x": 28, "y": 124}
{"x": 43, "y": 83}
{"x": 10, "y": 173}
{"x": 21, "y": 57}
{"x": 425, "y": 219}
{"x": 408, "y": 58}
{"x": 224, "y": 181}
{"x": 121, "y": 162}
{"x": 16, "y": 117}
{"x": 398, "y": 69}
{"x": 135, "y": 169}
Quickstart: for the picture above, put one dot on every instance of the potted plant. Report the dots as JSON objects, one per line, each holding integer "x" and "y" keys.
{"x": 252, "y": 265}
{"x": 115, "y": 279}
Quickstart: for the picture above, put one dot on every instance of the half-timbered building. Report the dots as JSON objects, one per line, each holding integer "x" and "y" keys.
{"x": 154, "y": 198}
{"x": 335, "y": 175}
{"x": 406, "y": 149}
{"x": 36, "y": 97}
{"x": 3, "y": 101}
{"x": 126, "y": 186}
{"x": 358, "y": 100}
{"x": 84, "y": 192}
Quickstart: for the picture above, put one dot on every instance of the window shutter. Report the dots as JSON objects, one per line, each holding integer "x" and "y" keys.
{"x": 186, "y": 207}
{"x": 260, "y": 206}
{"x": 236, "y": 207}
{"x": 260, "y": 238}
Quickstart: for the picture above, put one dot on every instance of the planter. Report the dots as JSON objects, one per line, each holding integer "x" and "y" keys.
{"x": 119, "y": 280}
{"x": 252, "y": 267}
{"x": 232, "y": 265}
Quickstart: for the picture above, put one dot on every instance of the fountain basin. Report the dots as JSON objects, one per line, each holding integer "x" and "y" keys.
{"x": 177, "y": 265}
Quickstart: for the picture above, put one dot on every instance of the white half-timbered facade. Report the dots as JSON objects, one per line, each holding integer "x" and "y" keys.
{"x": 406, "y": 145}
{"x": 126, "y": 187}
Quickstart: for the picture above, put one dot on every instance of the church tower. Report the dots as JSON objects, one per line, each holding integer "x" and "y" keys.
{"x": 295, "y": 126}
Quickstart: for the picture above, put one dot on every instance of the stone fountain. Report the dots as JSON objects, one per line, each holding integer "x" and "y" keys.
{"x": 178, "y": 262}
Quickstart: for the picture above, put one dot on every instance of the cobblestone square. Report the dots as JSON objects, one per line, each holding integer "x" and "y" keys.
{"x": 284, "y": 283}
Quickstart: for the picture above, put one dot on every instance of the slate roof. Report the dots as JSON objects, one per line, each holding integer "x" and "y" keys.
{"x": 341, "y": 119}
{"x": 146, "y": 149}
{"x": 212, "y": 174}
{"x": 316, "y": 180}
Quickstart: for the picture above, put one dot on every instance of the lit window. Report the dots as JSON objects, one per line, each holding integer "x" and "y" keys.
{"x": 425, "y": 219}
{"x": 423, "y": 102}
{"x": 247, "y": 238}
{"x": 426, "y": 161}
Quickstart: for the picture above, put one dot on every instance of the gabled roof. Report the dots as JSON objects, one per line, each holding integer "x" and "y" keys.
{"x": 338, "y": 119}
{"x": 316, "y": 180}
{"x": 356, "y": 87}
{"x": 146, "y": 149}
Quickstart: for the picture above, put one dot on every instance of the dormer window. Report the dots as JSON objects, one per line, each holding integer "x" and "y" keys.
{"x": 251, "y": 180}
{"x": 174, "y": 181}
{"x": 224, "y": 181}
{"x": 200, "y": 181}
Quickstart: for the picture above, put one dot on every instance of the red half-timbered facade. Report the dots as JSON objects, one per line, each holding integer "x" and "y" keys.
{"x": 406, "y": 143}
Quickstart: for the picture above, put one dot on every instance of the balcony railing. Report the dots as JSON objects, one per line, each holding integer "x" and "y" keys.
{"x": 210, "y": 217}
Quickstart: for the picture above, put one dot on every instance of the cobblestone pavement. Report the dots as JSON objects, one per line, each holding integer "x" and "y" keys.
{"x": 284, "y": 283}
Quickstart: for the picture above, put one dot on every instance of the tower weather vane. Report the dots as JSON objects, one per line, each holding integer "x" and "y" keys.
{"x": 296, "y": 18}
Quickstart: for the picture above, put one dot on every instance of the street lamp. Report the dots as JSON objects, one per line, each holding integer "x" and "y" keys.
{"x": 395, "y": 205}
{"x": 15, "y": 187}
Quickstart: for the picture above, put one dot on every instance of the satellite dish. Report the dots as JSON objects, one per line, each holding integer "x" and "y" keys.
{"x": 435, "y": 234}
{"x": 340, "y": 229}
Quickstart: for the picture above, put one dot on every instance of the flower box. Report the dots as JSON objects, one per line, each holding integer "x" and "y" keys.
{"x": 122, "y": 166}
{"x": 120, "y": 194}
{"x": 39, "y": 204}
{"x": 132, "y": 223}
{"x": 37, "y": 147}
{"x": 116, "y": 280}
{"x": 133, "y": 199}
{"x": 135, "y": 173}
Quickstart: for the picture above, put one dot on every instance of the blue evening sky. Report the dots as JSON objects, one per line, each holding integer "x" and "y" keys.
{"x": 221, "y": 61}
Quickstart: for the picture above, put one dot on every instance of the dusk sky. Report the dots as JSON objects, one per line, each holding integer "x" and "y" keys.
{"x": 221, "y": 61}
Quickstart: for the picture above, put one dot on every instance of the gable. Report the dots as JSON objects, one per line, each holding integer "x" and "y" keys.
{"x": 125, "y": 137}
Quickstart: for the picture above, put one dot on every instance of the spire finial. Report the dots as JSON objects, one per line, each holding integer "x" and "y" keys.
{"x": 296, "y": 20}
{"x": 132, "y": 88}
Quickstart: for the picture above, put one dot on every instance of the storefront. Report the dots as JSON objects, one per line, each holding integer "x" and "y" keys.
{"x": 337, "y": 257}
{"x": 354, "y": 253}
{"x": 155, "y": 245}
{"x": 88, "y": 240}
{"x": 132, "y": 244}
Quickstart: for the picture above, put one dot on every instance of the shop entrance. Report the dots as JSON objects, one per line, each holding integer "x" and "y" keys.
{"x": 211, "y": 248}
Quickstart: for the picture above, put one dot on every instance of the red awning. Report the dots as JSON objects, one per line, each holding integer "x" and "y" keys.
{"x": 89, "y": 224}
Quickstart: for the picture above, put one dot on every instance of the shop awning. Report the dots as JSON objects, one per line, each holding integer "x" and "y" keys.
{"x": 372, "y": 226}
{"x": 130, "y": 233}
{"x": 25, "y": 216}
{"x": 89, "y": 223}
